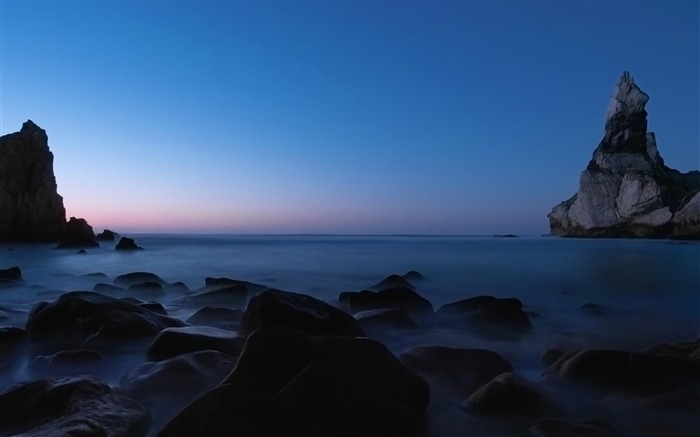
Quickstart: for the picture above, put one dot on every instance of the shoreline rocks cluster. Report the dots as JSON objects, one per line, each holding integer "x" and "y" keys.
{"x": 273, "y": 362}
{"x": 627, "y": 190}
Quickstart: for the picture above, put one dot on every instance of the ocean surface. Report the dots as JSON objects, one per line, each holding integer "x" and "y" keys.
{"x": 649, "y": 290}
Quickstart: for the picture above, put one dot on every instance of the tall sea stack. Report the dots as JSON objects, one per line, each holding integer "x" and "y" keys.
{"x": 31, "y": 210}
{"x": 626, "y": 189}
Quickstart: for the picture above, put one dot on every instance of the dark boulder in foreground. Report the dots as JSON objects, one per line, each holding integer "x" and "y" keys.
{"x": 486, "y": 312}
{"x": 32, "y": 209}
{"x": 320, "y": 386}
{"x": 11, "y": 275}
{"x": 626, "y": 189}
{"x": 135, "y": 278}
{"x": 468, "y": 369}
{"x": 509, "y": 394}
{"x": 81, "y": 406}
{"x": 77, "y": 318}
{"x": 171, "y": 342}
{"x": 78, "y": 234}
{"x": 628, "y": 371}
{"x": 127, "y": 244}
{"x": 106, "y": 235}
{"x": 275, "y": 308}
{"x": 167, "y": 386}
{"x": 405, "y": 298}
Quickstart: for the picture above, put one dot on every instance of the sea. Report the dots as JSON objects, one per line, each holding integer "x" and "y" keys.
{"x": 645, "y": 292}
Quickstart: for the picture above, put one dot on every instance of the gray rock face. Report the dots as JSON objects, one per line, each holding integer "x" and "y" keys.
{"x": 32, "y": 209}
{"x": 627, "y": 190}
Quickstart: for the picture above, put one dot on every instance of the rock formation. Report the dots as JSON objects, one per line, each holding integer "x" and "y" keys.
{"x": 78, "y": 234}
{"x": 31, "y": 208}
{"x": 627, "y": 190}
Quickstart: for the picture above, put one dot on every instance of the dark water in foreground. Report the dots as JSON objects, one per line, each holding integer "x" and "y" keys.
{"x": 650, "y": 289}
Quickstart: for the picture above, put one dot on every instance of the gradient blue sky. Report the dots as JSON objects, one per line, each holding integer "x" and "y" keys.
{"x": 338, "y": 117}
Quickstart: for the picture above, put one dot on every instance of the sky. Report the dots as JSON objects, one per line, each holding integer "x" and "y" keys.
{"x": 355, "y": 117}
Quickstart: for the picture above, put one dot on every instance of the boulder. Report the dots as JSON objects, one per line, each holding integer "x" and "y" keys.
{"x": 252, "y": 287}
{"x": 275, "y": 308}
{"x": 12, "y": 275}
{"x": 319, "y": 401}
{"x": 593, "y": 309}
{"x": 32, "y": 209}
{"x": 311, "y": 386}
{"x": 216, "y": 317}
{"x": 78, "y": 318}
{"x": 106, "y": 288}
{"x": 413, "y": 275}
{"x": 510, "y": 394}
{"x": 106, "y": 235}
{"x": 127, "y": 244}
{"x": 80, "y": 406}
{"x": 487, "y": 313}
{"x": 146, "y": 289}
{"x": 392, "y": 281}
{"x": 171, "y": 342}
{"x": 626, "y": 189}
{"x": 136, "y": 278}
{"x": 644, "y": 373}
{"x": 78, "y": 234}
{"x": 177, "y": 287}
{"x": 155, "y": 307}
{"x": 97, "y": 275}
{"x": 405, "y": 298}
{"x": 469, "y": 369}
{"x": 167, "y": 386}
{"x": 65, "y": 363}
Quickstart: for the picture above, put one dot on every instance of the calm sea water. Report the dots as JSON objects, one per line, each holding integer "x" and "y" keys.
{"x": 649, "y": 289}
{"x": 649, "y": 285}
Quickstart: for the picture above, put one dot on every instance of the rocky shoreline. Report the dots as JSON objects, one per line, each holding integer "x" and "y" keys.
{"x": 257, "y": 361}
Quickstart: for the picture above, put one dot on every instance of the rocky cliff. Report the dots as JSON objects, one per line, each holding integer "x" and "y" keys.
{"x": 627, "y": 190}
{"x": 30, "y": 207}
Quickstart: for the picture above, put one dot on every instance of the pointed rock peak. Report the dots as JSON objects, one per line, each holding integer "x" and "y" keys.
{"x": 30, "y": 126}
{"x": 627, "y": 98}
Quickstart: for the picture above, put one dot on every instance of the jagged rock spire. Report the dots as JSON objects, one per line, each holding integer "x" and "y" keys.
{"x": 626, "y": 123}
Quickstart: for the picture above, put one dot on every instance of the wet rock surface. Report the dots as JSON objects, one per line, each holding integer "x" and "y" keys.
{"x": 171, "y": 342}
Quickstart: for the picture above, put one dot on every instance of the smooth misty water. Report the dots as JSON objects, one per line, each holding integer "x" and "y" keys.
{"x": 650, "y": 289}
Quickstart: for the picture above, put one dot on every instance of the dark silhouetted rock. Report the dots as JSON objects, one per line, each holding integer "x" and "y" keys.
{"x": 167, "y": 386}
{"x": 468, "y": 368}
{"x": 32, "y": 209}
{"x": 274, "y": 308}
{"x": 505, "y": 236}
{"x": 485, "y": 312}
{"x": 177, "y": 287}
{"x": 136, "y": 278}
{"x": 385, "y": 319}
{"x": 629, "y": 371}
{"x": 10, "y": 338}
{"x": 509, "y": 394}
{"x": 171, "y": 342}
{"x": 551, "y": 356}
{"x": 146, "y": 289}
{"x": 98, "y": 276}
{"x": 413, "y": 275}
{"x": 77, "y": 317}
{"x": 82, "y": 252}
{"x": 127, "y": 244}
{"x": 408, "y": 300}
{"x": 107, "y": 235}
{"x": 78, "y": 234}
{"x": 392, "y": 281}
{"x": 67, "y": 363}
{"x": 627, "y": 190}
{"x": 81, "y": 406}
{"x": 216, "y": 317}
{"x": 593, "y": 309}
{"x": 11, "y": 275}
{"x": 106, "y": 288}
{"x": 155, "y": 307}
{"x": 338, "y": 386}
{"x": 563, "y": 428}
{"x": 252, "y": 287}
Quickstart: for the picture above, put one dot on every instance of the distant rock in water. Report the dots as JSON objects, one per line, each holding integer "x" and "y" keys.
{"x": 627, "y": 190}
{"x": 32, "y": 209}
{"x": 13, "y": 274}
{"x": 78, "y": 234}
{"x": 107, "y": 235}
{"x": 127, "y": 244}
